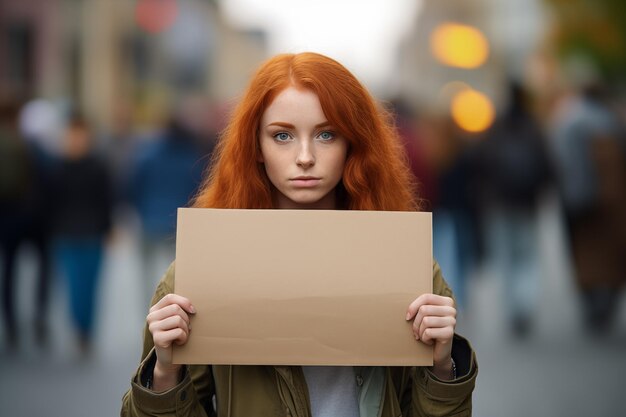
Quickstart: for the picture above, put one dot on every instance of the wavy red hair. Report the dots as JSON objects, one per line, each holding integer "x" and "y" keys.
{"x": 376, "y": 175}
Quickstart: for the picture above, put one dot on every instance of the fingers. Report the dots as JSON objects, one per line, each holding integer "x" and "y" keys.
{"x": 169, "y": 323}
{"x": 431, "y": 322}
{"x": 430, "y": 335}
{"x": 167, "y": 311}
{"x": 164, "y": 339}
{"x": 174, "y": 299}
{"x": 429, "y": 311}
{"x": 170, "y": 330}
{"x": 428, "y": 299}
{"x": 433, "y": 316}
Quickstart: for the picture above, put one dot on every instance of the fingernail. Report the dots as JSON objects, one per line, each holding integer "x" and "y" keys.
{"x": 417, "y": 337}
{"x": 192, "y": 310}
{"x": 408, "y": 315}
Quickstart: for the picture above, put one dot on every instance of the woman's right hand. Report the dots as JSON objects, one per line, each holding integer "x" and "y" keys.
{"x": 168, "y": 321}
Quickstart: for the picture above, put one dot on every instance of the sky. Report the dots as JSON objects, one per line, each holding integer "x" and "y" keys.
{"x": 361, "y": 34}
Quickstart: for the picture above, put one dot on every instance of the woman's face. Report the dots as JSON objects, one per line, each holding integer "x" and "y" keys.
{"x": 303, "y": 155}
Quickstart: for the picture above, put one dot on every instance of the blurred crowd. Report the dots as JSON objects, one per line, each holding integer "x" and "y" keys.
{"x": 486, "y": 192}
{"x": 64, "y": 194}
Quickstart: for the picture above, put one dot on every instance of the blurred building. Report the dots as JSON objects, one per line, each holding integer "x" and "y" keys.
{"x": 139, "y": 56}
{"x": 31, "y": 44}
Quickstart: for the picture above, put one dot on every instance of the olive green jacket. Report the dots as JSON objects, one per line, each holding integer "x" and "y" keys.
{"x": 246, "y": 391}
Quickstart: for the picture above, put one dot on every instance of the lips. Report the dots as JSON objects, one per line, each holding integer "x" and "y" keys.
{"x": 305, "y": 181}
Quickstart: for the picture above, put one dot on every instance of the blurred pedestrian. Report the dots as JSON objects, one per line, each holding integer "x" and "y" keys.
{"x": 590, "y": 155}
{"x": 515, "y": 170}
{"x": 121, "y": 145}
{"x": 455, "y": 233}
{"x": 24, "y": 221}
{"x": 81, "y": 223}
{"x": 444, "y": 173}
{"x": 14, "y": 183}
{"x": 165, "y": 174}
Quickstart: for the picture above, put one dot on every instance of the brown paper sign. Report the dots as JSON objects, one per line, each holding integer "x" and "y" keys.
{"x": 302, "y": 287}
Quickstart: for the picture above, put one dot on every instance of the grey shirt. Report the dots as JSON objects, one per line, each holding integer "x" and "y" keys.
{"x": 332, "y": 391}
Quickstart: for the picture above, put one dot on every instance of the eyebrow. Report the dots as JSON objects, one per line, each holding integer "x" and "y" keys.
{"x": 290, "y": 126}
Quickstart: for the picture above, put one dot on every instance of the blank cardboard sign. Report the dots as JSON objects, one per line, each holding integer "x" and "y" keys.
{"x": 302, "y": 287}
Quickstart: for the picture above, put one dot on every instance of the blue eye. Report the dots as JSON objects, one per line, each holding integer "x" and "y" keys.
{"x": 326, "y": 135}
{"x": 282, "y": 136}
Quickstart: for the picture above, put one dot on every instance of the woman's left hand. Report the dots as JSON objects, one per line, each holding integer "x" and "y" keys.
{"x": 434, "y": 318}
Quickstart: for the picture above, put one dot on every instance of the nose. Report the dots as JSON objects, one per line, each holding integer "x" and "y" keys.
{"x": 305, "y": 157}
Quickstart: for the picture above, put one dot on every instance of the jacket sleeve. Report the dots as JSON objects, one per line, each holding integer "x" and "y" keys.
{"x": 192, "y": 397}
{"x": 430, "y": 396}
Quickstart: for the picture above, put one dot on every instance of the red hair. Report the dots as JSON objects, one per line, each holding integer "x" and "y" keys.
{"x": 376, "y": 174}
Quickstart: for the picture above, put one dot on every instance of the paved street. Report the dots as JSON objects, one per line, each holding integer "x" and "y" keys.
{"x": 558, "y": 371}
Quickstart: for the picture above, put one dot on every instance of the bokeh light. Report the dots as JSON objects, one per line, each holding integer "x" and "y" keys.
{"x": 459, "y": 45}
{"x": 155, "y": 16}
{"x": 472, "y": 110}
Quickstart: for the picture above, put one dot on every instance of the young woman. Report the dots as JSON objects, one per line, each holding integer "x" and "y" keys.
{"x": 306, "y": 135}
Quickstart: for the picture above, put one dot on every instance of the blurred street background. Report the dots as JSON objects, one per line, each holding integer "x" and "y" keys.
{"x": 512, "y": 114}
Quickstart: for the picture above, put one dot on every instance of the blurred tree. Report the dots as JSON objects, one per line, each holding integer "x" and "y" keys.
{"x": 595, "y": 28}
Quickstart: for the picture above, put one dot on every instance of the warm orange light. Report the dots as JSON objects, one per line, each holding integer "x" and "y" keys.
{"x": 459, "y": 45}
{"x": 472, "y": 110}
{"x": 155, "y": 16}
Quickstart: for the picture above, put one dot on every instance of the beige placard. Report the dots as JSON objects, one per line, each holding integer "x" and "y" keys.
{"x": 302, "y": 287}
